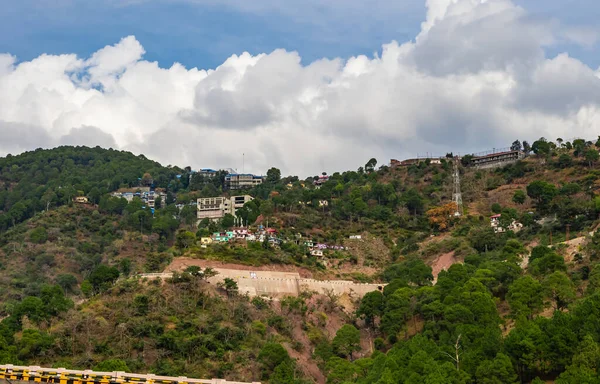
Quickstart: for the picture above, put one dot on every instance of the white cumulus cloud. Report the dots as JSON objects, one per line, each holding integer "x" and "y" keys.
{"x": 475, "y": 77}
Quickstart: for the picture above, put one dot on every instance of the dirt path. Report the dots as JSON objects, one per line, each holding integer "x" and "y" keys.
{"x": 181, "y": 263}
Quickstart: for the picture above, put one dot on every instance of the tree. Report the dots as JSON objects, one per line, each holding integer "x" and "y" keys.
{"x": 86, "y": 288}
{"x": 559, "y": 288}
{"x": 496, "y": 208}
{"x": 102, "y": 277}
{"x": 194, "y": 270}
{"x": 271, "y": 355}
{"x": 413, "y": 271}
{"x": 32, "y": 307}
{"x": 466, "y": 160}
{"x": 49, "y": 198}
{"x": 229, "y": 285}
{"x": 516, "y": 146}
{"x": 198, "y": 272}
{"x": 227, "y": 221}
{"x": 112, "y": 365}
{"x": 33, "y": 343}
{"x": 564, "y": 161}
{"x": 399, "y": 309}
{"x": 526, "y": 148}
{"x": 266, "y": 209}
{"x": 578, "y": 375}
{"x": 579, "y": 146}
{"x": 370, "y": 166}
{"x": 413, "y": 201}
{"x": 541, "y": 191}
{"x": 484, "y": 239}
{"x": 147, "y": 179}
{"x": 591, "y": 156}
{"x": 519, "y": 197}
{"x": 340, "y": 371}
{"x": 549, "y": 263}
{"x": 125, "y": 266}
{"x": 94, "y": 195}
{"x": 66, "y": 281}
{"x": 170, "y": 198}
{"x": 184, "y": 239}
{"x": 525, "y": 297}
{"x": 541, "y": 147}
{"x": 284, "y": 373}
{"x": 371, "y": 306}
{"x": 570, "y": 189}
{"x": 346, "y": 341}
{"x": 38, "y": 235}
{"x": 273, "y": 175}
{"x": 141, "y": 304}
{"x": 188, "y": 215}
{"x": 208, "y": 273}
{"x": 584, "y": 365}
{"x": 441, "y": 217}
{"x": 497, "y": 371}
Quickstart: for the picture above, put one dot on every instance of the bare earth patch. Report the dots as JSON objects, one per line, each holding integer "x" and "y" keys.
{"x": 181, "y": 263}
{"x": 442, "y": 263}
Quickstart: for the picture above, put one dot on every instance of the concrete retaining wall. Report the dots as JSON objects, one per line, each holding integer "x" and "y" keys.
{"x": 280, "y": 284}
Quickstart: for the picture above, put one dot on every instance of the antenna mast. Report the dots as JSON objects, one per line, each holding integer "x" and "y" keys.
{"x": 457, "y": 196}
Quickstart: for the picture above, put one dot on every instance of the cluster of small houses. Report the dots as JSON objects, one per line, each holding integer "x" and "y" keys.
{"x": 270, "y": 235}
{"x": 243, "y": 234}
{"x": 148, "y": 195}
{"x": 514, "y": 226}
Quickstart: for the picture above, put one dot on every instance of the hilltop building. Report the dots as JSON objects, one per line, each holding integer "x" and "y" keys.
{"x": 148, "y": 195}
{"x": 404, "y": 163}
{"x": 496, "y": 159}
{"x": 236, "y": 181}
{"x": 483, "y": 160}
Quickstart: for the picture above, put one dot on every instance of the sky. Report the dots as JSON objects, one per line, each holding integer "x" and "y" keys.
{"x": 303, "y": 85}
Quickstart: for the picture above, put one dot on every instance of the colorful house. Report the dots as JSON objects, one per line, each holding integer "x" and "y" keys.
{"x": 220, "y": 237}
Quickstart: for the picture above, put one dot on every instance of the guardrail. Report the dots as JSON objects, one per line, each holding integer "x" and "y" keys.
{"x": 70, "y": 376}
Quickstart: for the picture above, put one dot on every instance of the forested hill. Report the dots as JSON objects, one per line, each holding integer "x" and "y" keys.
{"x": 45, "y": 178}
{"x": 506, "y": 292}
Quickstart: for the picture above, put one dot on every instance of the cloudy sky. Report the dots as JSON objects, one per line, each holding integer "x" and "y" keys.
{"x": 303, "y": 85}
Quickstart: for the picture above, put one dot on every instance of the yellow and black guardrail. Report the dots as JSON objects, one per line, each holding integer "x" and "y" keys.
{"x": 70, "y": 376}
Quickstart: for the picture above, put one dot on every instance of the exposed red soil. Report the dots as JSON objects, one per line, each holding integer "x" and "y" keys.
{"x": 442, "y": 263}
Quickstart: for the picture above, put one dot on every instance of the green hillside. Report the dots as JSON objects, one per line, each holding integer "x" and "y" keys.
{"x": 515, "y": 306}
{"x": 35, "y": 181}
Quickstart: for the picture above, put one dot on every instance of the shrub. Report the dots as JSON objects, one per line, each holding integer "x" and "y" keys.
{"x": 38, "y": 235}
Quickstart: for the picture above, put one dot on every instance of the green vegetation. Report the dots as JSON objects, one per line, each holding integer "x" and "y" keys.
{"x": 36, "y": 181}
{"x": 518, "y": 304}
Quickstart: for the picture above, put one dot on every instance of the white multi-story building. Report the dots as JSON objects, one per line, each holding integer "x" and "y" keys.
{"x": 214, "y": 208}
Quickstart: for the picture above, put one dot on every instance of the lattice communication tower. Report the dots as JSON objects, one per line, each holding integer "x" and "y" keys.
{"x": 456, "y": 195}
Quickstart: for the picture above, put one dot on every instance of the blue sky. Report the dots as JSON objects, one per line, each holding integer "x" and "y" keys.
{"x": 202, "y": 33}
{"x": 476, "y": 68}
